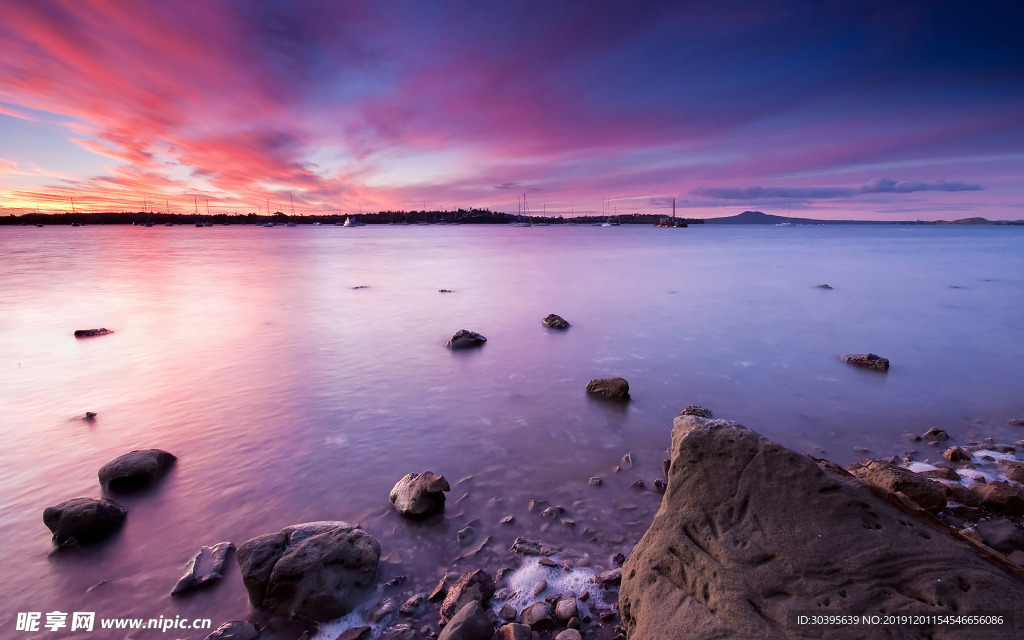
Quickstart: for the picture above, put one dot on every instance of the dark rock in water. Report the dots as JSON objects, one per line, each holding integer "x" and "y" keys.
{"x": 464, "y": 339}
{"x": 84, "y": 519}
{"x": 135, "y": 470}
{"x": 618, "y": 559}
{"x": 469, "y": 623}
{"x": 751, "y": 532}
{"x": 507, "y": 612}
{"x": 569, "y": 634}
{"x": 208, "y": 566}
{"x": 381, "y": 610}
{"x": 961, "y": 494}
{"x": 956, "y": 454}
{"x": 608, "y": 578}
{"x": 825, "y": 286}
{"x": 638, "y": 484}
{"x": 419, "y": 494}
{"x": 362, "y": 286}
{"x": 554, "y": 321}
{"x": 616, "y": 388}
{"x": 355, "y": 633}
{"x": 697, "y": 410}
{"x": 237, "y": 630}
{"x": 445, "y": 291}
{"x": 595, "y": 481}
{"x": 1016, "y": 421}
{"x": 659, "y": 485}
{"x": 869, "y": 360}
{"x": 540, "y": 587}
{"x": 1001, "y": 535}
{"x": 410, "y": 606}
{"x": 526, "y": 547}
{"x": 539, "y": 617}
{"x": 91, "y": 333}
{"x": 90, "y": 415}
{"x": 508, "y": 520}
{"x": 935, "y": 434}
{"x": 515, "y": 632}
{"x": 929, "y": 495}
{"x": 626, "y": 462}
{"x": 1002, "y": 497}
{"x": 475, "y": 586}
{"x": 403, "y": 632}
{"x": 319, "y": 570}
{"x": 944, "y": 473}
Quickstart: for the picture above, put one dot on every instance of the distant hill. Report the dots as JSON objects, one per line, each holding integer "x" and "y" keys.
{"x": 759, "y": 217}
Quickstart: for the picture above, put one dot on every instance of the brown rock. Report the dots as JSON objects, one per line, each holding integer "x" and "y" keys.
{"x": 507, "y": 612}
{"x": 566, "y": 609}
{"x": 419, "y": 494}
{"x": 749, "y": 532}
{"x": 944, "y": 473}
{"x": 539, "y": 617}
{"x": 540, "y": 587}
{"x": 697, "y": 410}
{"x": 135, "y": 470}
{"x": 935, "y": 434}
{"x": 1001, "y": 534}
{"x": 615, "y": 388}
{"x": 473, "y": 586}
{"x": 569, "y": 634}
{"x": 469, "y": 623}
{"x": 956, "y": 454}
{"x": 1014, "y": 470}
{"x": 355, "y": 633}
{"x": 961, "y": 494}
{"x": 921, "y": 490}
{"x": 515, "y": 632}
{"x": 1000, "y": 496}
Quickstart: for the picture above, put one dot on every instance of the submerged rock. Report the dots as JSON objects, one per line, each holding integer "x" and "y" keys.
{"x": 91, "y": 333}
{"x": 554, "y": 321}
{"x": 84, "y": 519}
{"x": 236, "y": 630}
{"x": 135, "y": 470}
{"x": 869, "y": 360}
{"x": 207, "y": 566}
{"x": 616, "y": 388}
{"x": 464, "y": 339}
{"x": 419, "y": 494}
{"x": 319, "y": 570}
{"x": 935, "y": 434}
{"x": 750, "y": 532}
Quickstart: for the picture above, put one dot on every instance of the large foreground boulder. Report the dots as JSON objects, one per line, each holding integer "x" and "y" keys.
{"x": 84, "y": 519}
{"x": 317, "y": 570}
{"x": 419, "y": 494}
{"x": 135, "y": 470}
{"x": 750, "y": 534}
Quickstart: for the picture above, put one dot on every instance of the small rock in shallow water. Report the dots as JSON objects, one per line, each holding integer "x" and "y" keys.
{"x": 638, "y": 484}
{"x": 867, "y": 360}
{"x": 825, "y": 286}
{"x": 913, "y": 437}
{"x": 464, "y": 339}
{"x": 135, "y": 470}
{"x": 626, "y": 462}
{"x": 1014, "y": 470}
{"x": 508, "y": 520}
{"x": 659, "y": 485}
{"x": 355, "y": 633}
{"x": 464, "y": 534}
{"x": 540, "y": 587}
{"x": 956, "y": 454}
{"x": 91, "y": 333}
{"x": 554, "y": 321}
{"x": 1016, "y": 421}
{"x": 595, "y": 481}
{"x": 618, "y": 559}
{"x": 90, "y": 415}
{"x": 419, "y": 494}
{"x": 206, "y": 567}
{"x": 615, "y": 388}
{"x": 84, "y": 519}
{"x": 539, "y": 617}
{"x": 410, "y": 606}
{"x": 527, "y": 547}
{"x": 381, "y": 610}
{"x": 475, "y": 585}
{"x": 507, "y": 612}
{"x": 935, "y": 434}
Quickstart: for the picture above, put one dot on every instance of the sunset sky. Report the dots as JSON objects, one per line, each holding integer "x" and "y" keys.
{"x": 874, "y": 110}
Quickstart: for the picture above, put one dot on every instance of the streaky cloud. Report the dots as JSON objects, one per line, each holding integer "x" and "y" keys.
{"x": 878, "y": 185}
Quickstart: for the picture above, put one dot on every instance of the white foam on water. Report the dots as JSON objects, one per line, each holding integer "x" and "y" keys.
{"x": 521, "y": 581}
{"x": 921, "y": 467}
{"x": 331, "y": 630}
{"x": 994, "y": 454}
{"x": 967, "y": 475}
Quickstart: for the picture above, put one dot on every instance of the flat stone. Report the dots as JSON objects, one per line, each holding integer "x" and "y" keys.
{"x": 205, "y": 568}
{"x": 614, "y": 388}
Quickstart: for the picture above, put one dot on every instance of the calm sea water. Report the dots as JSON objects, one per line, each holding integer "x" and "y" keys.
{"x": 289, "y": 395}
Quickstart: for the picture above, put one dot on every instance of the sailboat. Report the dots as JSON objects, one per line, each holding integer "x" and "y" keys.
{"x": 521, "y": 221}
{"x": 787, "y": 223}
